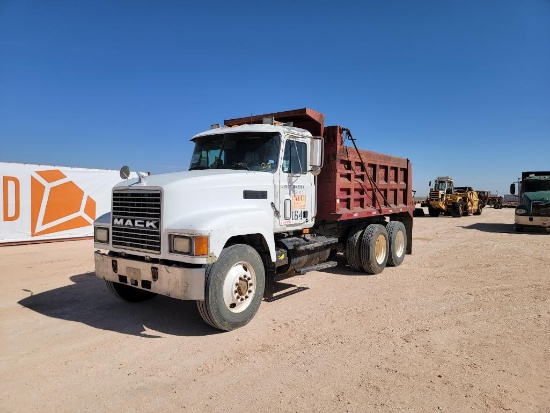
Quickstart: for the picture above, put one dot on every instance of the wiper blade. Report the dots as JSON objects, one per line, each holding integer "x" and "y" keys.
{"x": 196, "y": 168}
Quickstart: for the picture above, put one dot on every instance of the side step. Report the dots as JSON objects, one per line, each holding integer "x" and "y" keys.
{"x": 322, "y": 266}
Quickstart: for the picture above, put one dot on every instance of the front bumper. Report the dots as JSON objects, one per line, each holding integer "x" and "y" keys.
{"x": 533, "y": 221}
{"x": 172, "y": 281}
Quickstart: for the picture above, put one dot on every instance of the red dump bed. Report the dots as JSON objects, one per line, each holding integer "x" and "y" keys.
{"x": 352, "y": 186}
{"x": 348, "y": 188}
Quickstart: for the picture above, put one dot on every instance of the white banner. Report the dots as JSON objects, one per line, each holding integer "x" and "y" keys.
{"x": 42, "y": 202}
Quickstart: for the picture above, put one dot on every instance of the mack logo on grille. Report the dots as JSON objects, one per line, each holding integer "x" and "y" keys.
{"x": 136, "y": 223}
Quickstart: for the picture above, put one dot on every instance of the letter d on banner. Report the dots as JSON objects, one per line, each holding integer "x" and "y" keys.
{"x": 16, "y": 198}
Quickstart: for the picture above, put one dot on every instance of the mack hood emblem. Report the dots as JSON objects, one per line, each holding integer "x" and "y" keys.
{"x": 136, "y": 223}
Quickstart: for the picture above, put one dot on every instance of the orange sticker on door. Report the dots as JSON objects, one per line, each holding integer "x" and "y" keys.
{"x": 298, "y": 202}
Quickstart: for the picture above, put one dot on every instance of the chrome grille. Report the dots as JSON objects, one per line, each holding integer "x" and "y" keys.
{"x": 132, "y": 210}
{"x": 541, "y": 208}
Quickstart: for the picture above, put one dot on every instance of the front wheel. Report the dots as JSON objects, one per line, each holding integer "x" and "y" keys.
{"x": 374, "y": 249}
{"x": 434, "y": 212}
{"x": 234, "y": 288}
{"x": 130, "y": 294}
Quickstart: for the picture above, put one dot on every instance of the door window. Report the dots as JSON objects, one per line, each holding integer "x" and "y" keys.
{"x": 295, "y": 157}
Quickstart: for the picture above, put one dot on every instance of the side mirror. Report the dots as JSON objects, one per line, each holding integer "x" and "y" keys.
{"x": 317, "y": 153}
{"x": 125, "y": 172}
{"x": 430, "y": 184}
{"x": 513, "y": 189}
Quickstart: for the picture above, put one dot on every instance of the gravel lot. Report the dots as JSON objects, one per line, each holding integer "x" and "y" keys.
{"x": 462, "y": 325}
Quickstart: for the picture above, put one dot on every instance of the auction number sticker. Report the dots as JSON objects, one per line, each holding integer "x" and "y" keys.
{"x": 298, "y": 202}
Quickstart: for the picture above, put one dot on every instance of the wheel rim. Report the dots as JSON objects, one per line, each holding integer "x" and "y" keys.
{"x": 380, "y": 249}
{"x": 239, "y": 287}
{"x": 399, "y": 243}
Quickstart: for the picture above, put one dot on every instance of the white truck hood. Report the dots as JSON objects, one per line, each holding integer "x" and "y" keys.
{"x": 206, "y": 175}
{"x": 192, "y": 198}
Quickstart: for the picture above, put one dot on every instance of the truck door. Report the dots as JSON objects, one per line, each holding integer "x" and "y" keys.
{"x": 296, "y": 200}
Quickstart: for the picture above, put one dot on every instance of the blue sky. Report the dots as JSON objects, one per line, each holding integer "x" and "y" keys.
{"x": 461, "y": 88}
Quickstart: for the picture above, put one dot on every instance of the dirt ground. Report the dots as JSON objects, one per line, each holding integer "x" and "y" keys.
{"x": 462, "y": 325}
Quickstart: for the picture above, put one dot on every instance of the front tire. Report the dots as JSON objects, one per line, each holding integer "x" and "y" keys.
{"x": 374, "y": 249}
{"x": 129, "y": 294}
{"x": 457, "y": 209}
{"x": 434, "y": 212}
{"x": 397, "y": 236}
{"x": 234, "y": 288}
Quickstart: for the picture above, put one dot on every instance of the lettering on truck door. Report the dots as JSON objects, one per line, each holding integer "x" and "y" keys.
{"x": 295, "y": 195}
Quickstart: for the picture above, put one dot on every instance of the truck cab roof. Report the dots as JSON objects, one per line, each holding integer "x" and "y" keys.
{"x": 258, "y": 128}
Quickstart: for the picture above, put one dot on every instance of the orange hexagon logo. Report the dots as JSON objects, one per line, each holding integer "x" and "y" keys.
{"x": 58, "y": 204}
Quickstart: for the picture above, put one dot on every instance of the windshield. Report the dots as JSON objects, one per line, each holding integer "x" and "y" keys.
{"x": 536, "y": 185}
{"x": 441, "y": 185}
{"x": 249, "y": 151}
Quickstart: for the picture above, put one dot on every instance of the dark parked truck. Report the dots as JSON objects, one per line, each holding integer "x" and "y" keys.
{"x": 533, "y": 209}
{"x": 265, "y": 196}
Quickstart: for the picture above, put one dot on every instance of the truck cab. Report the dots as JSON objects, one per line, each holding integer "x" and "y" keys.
{"x": 533, "y": 209}
{"x": 244, "y": 185}
{"x": 279, "y": 154}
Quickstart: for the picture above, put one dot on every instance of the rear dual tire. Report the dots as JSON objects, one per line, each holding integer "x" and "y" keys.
{"x": 374, "y": 247}
{"x": 397, "y": 236}
{"x": 353, "y": 247}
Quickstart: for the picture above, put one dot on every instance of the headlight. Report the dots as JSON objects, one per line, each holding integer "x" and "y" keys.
{"x": 197, "y": 246}
{"x": 101, "y": 235}
{"x": 181, "y": 245}
{"x": 521, "y": 210}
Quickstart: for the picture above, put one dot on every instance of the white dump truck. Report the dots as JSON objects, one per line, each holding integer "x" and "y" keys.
{"x": 264, "y": 196}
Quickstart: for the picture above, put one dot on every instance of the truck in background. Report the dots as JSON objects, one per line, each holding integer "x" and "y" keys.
{"x": 487, "y": 198}
{"x": 265, "y": 196}
{"x": 533, "y": 209}
{"x": 495, "y": 201}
